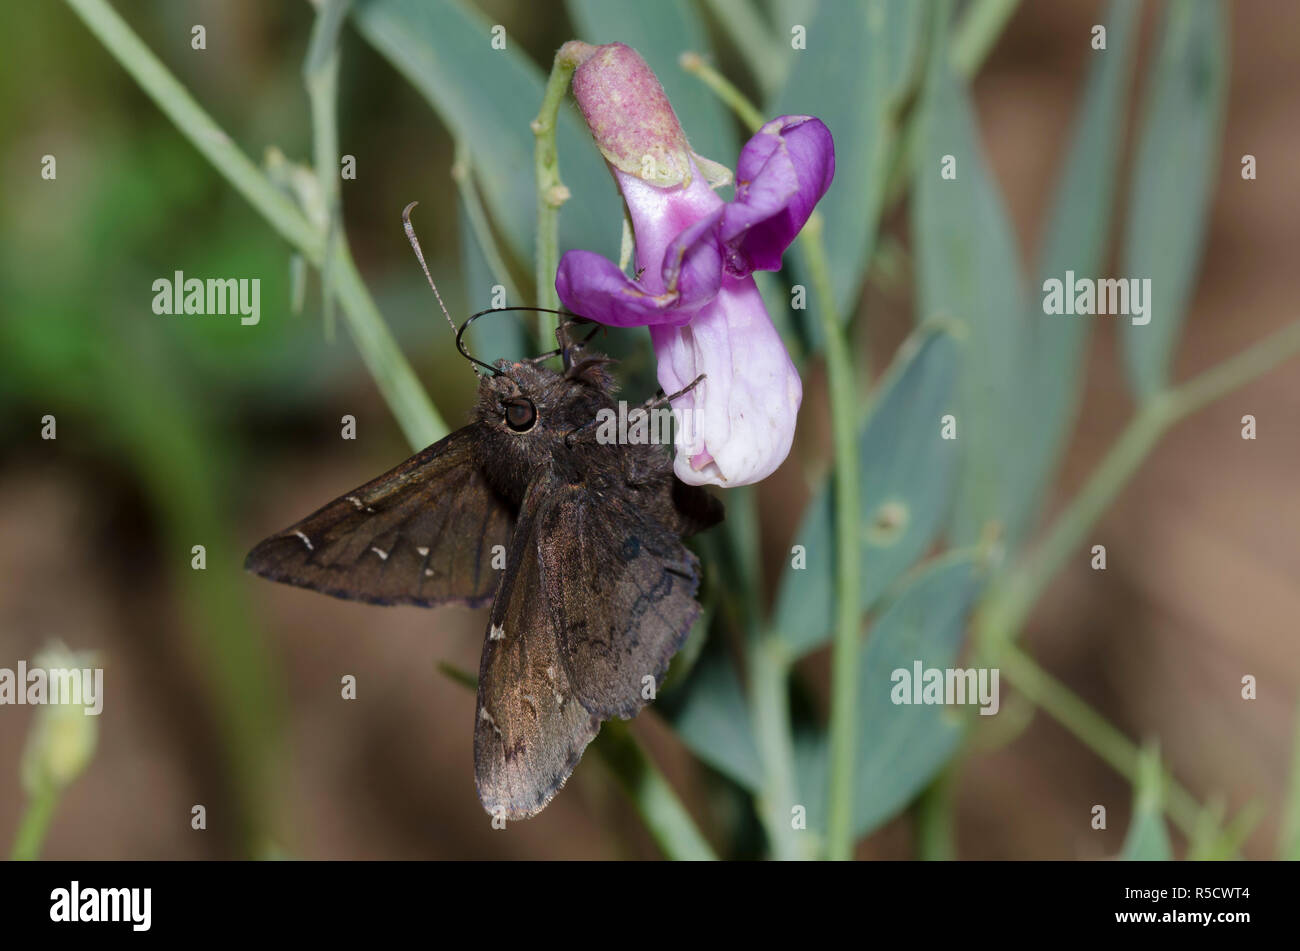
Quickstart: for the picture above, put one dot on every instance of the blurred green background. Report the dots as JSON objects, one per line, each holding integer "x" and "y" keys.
{"x": 177, "y": 431}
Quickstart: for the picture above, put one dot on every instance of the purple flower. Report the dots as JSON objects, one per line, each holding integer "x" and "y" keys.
{"x": 695, "y": 256}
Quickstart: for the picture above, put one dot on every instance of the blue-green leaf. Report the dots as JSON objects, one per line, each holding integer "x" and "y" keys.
{"x": 710, "y": 715}
{"x": 1173, "y": 180}
{"x": 488, "y": 97}
{"x": 857, "y": 60}
{"x": 1076, "y": 240}
{"x": 489, "y": 338}
{"x": 968, "y": 270}
{"x": 907, "y": 472}
{"x": 661, "y": 32}
{"x": 1148, "y": 839}
{"x": 903, "y": 746}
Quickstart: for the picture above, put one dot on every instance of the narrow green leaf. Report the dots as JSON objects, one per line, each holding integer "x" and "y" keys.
{"x": 1075, "y": 240}
{"x": 968, "y": 271}
{"x": 661, "y": 32}
{"x": 1173, "y": 181}
{"x": 488, "y": 98}
{"x": 492, "y": 337}
{"x": 710, "y": 715}
{"x": 857, "y": 59}
{"x": 903, "y": 746}
{"x": 907, "y": 476}
{"x": 1148, "y": 839}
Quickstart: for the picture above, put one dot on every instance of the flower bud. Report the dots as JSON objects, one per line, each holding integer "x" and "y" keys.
{"x": 629, "y": 115}
{"x": 63, "y": 735}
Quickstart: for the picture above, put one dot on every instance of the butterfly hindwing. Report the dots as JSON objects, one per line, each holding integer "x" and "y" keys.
{"x": 620, "y": 590}
{"x": 422, "y": 533}
{"x": 529, "y": 728}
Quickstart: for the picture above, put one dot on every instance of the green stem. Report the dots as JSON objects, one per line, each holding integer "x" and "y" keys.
{"x": 321, "y": 77}
{"x": 1288, "y": 844}
{"x": 462, "y": 173}
{"x": 397, "y": 382}
{"x": 1008, "y": 607}
{"x": 933, "y": 819}
{"x": 551, "y": 193}
{"x": 848, "y": 552}
{"x": 980, "y": 27}
{"x": 654, "y": 798}
{"x": 723, "y": 88}
{"x": 769, "y": 674}
{"x": 179, "y": 106}
{"x": 1118, "y": 752}
{"x": 844, "y": 413}
{"x": 765, "y": 56}
{"x": 33, "y": 826}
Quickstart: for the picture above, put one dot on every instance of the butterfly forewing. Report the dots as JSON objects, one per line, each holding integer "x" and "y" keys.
{"x": 422, "y": 533}
{"x": 530, "y": 729}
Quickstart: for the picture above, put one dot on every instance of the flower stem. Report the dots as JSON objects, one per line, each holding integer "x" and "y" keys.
{"x": 394, "y": 377}
{"x": 1118, "y": 752}
{"x": 767, "y": 58}
{"x": 979, "y": 29}
{"x": 848, "y": 552}
{"x": 844, "y": 414}
{"x": 1009, "y": 605}
{"x": 723, "y": 88}
{"x": 320, "y": 73}
{"x": 33, "y": 826}
{"x": 656, "y": 802}
{"x": 551, "y": 193}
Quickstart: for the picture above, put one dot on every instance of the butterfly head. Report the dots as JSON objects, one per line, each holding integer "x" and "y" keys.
{"x": 529, "y": 413}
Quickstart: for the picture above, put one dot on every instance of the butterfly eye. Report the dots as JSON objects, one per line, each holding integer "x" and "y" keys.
{"x": 521, "y": 415}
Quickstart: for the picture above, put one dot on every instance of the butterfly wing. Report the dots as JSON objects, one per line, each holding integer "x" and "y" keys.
{"x": 620, "y": 588}
{"x": 420, "y": 534}
{"x": 529, "y": 729}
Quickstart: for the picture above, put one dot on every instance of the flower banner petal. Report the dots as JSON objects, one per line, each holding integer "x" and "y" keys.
{"x": 783, "y": 172}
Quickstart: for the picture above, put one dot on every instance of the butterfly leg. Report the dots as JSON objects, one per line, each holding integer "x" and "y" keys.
{"x": 659, "y": 400}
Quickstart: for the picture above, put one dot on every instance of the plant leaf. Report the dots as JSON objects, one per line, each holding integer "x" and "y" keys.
{"x": 710, "y": 714}
{"x": 1148, "y": 839}
{"x": 1173, "y": 180}
{"x": 1076, "y": 239}
{"x": 907, "y": 475}
{"x": 488, "y": 98}
{"x": 903, "y": 746}
{"x": 968, "y": 271}
{"x": 859, "y": 57}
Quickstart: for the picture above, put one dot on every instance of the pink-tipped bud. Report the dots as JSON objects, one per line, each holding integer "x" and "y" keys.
{"x": 630, "y": 118}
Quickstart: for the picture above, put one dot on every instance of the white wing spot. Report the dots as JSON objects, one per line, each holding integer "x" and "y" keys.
{"x": 306, "y": 541}
{"x": 498, "y": 633}
{"x": 487, "y": 718}
{"x": 355, "y": 501}
{"x": 428, "y": 572}
{"x": 424, "y": 552}
{"x": 380, "y": 552}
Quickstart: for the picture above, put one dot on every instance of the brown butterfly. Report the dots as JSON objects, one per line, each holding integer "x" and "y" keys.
{"x": 597, "y": 592}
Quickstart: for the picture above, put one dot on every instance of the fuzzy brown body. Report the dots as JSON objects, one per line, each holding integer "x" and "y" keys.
{"x": 597, "y": 592}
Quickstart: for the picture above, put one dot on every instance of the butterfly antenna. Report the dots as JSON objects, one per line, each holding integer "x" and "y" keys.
{"x": 415, "y": 246}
